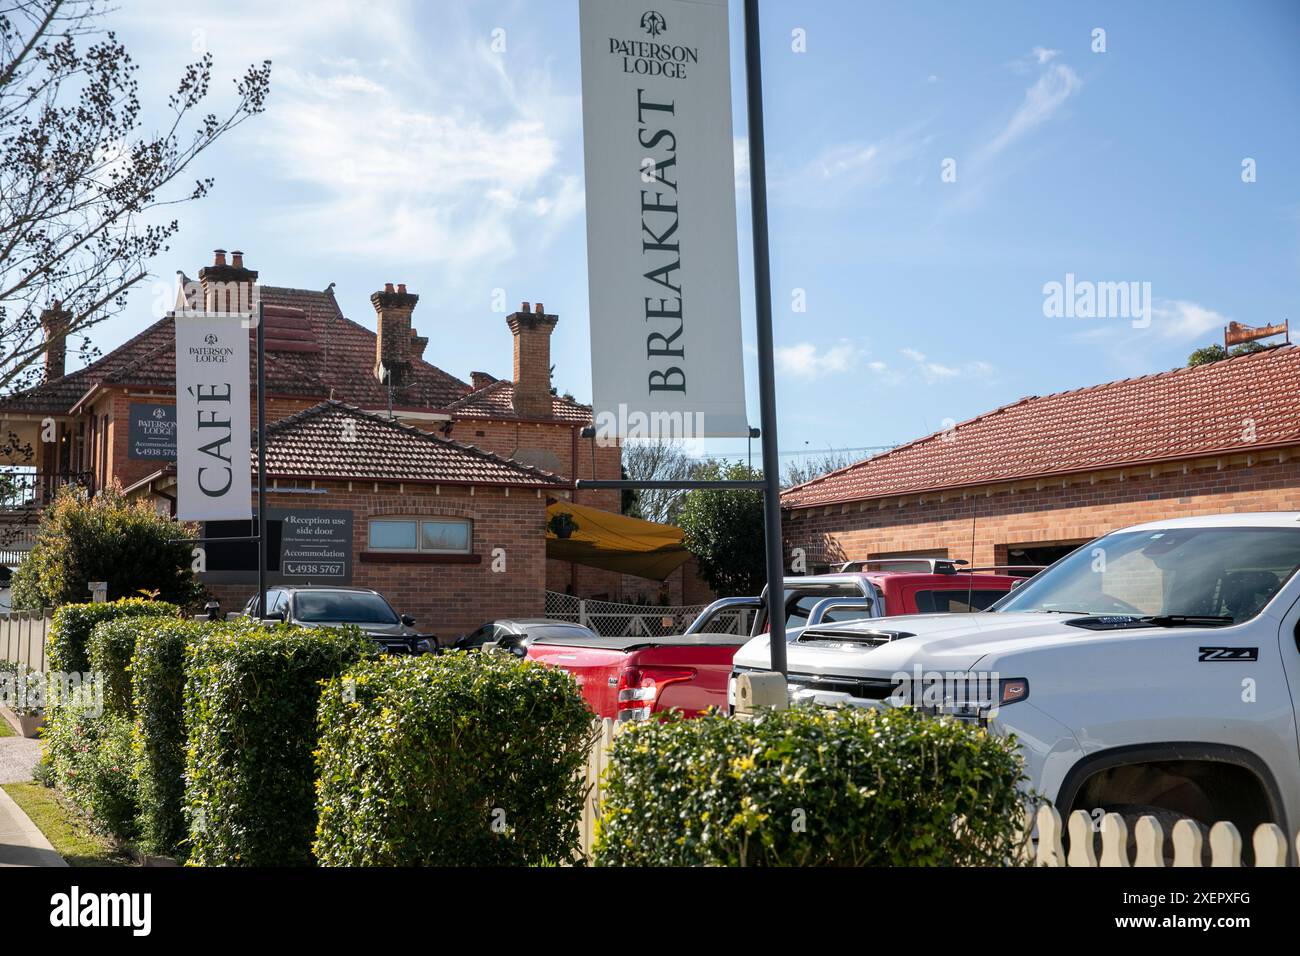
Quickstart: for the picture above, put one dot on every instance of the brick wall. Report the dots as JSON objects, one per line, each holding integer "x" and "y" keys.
{"x": 447, "y": 599}
{"x": 1051, "y": 511}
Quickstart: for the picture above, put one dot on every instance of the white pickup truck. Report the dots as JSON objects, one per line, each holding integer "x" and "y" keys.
{"x": 1156, "y": 667}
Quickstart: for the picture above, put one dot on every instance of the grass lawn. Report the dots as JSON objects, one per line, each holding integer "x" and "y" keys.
{"x": 64, "y": 827}
{"x": 5, "y": 729}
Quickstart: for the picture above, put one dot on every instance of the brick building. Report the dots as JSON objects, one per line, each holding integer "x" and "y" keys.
{"x": 1029, "y": 482}
{"x": 108, "y": 422}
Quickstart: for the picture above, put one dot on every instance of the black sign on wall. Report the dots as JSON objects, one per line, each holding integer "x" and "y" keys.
{"x": 304, "y": 546}
{"x": 152, "y": 434}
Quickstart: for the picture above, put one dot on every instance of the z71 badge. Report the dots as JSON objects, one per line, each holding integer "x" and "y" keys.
{"x": 1213, "y": 654}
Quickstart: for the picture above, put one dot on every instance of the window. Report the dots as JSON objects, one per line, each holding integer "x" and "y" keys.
{"x": 955, "y": 600}
{"x": 349, "y": 607}
{"x": 445, "y": 536}
{"x": 423, "y": 535}
{"x": 1227, "y": 573}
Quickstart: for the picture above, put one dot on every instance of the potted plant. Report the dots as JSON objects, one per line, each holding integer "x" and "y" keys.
{"x": 562, "y": 525}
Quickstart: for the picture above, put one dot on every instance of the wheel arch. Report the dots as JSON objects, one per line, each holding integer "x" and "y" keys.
{"x": 1191, "y": 751}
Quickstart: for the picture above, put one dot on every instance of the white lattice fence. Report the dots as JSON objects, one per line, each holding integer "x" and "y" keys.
{"x": 614, "y": 619}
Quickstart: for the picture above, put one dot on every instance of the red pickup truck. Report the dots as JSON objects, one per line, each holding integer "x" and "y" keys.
{"x": 629, "y": 678}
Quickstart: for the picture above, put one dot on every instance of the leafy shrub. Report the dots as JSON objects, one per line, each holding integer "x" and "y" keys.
{"x": 158, "y": 688}
{"x": 68, "y": 644}
{"x": 454, "y": 760}
{"x": 112, "y": 643}
{"x": 105, "y": 538}
{"x": 811, "y": 787}
{"x": 250, "y": 712}
{"x": 92, "y": 761}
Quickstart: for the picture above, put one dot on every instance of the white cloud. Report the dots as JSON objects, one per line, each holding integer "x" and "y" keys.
{"x": 932, "y": 371}
{"x": 806, "y": 360}
{"x": 1042, "y": 100}
{"x": 392, "y": 151}
{"x": 1184, "y": 321}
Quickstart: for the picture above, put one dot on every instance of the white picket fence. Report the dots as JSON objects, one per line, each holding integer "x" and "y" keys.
{"x": 597, "y": 761}
{"x": 22, "y": 637}
{"x": 1186, "y": 840}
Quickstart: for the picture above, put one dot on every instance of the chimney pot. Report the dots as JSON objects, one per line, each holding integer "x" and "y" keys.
{"x": 237, "y": 259}
{"x": 525, "y": 307}
{"x": 219, "y": 257}
{"x": 401, "y": 287}
{"x": 532, "y": 365}
{"x": 396, "y": 343}
{"x": 54, "y": 323}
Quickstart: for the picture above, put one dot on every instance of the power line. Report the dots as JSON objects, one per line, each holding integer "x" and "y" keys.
{"x": 793, "y": 452}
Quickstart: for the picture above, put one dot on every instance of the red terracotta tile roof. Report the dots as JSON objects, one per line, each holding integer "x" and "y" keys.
{"x": 1235, "y": 405}
{"x": 344, "y": 362}
{"x": 496, "y": 400}
{"x": 334, "y": 440}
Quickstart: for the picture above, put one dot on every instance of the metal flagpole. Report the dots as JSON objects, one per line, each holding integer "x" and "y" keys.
{"x": 763, "y": 308}
{"x": 261, "y": 458}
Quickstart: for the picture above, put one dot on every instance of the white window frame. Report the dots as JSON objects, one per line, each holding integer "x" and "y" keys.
{"x": 420, "y": 521}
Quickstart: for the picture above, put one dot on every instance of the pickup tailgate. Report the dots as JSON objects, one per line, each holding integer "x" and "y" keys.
{"x": 687, "y": 672}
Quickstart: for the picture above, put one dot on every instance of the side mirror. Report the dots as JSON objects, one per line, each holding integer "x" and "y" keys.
{"x": 408, "y": 620}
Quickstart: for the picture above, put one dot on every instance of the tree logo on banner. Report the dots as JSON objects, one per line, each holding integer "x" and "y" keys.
{"x": 653, "y": 22}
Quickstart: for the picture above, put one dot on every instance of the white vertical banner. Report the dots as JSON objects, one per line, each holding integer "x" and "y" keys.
{"x": 213, "y": 467}
{"x": 662, "y": 262}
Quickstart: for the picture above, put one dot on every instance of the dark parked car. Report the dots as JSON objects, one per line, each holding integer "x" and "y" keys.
{"x": 517, "y": 634}
{"x": 337, "y": 606}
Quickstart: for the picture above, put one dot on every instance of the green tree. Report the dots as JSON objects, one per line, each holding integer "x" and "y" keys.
{"x": 1217, "y": 353}
{"x": 724, "y": 530}
{"x": 106, "y": 538}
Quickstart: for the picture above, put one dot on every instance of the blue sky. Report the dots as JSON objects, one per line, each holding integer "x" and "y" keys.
{"x": 400, "y": 146}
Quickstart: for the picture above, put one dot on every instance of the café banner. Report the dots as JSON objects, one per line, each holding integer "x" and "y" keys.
{"x": 212, "y": 418}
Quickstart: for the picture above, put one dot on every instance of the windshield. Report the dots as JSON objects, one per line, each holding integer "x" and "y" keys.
{"x": 349, "y": 607}
{"x": 1224, "y": 573}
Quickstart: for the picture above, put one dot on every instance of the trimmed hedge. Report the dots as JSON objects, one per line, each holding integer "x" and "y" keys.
{"x": 811, "y": 786}
{"x": 68, "y": 643}
{"x": 453, "y": 760}
{"x": 158, "y": 688}
{"x": 91, "y": 759}
{"x": 112, "y": 644}
{"x": 250, "y": 712}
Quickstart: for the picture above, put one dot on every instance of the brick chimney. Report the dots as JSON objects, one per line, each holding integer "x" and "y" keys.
{"x": 54, "y": 323}
{"x": 228, "y": 287}
{"x": 532, "y": 332}
{"x": 395, "y": 343}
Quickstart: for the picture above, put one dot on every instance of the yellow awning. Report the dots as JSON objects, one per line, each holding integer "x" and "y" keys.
{"x": 602, "y": 539}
